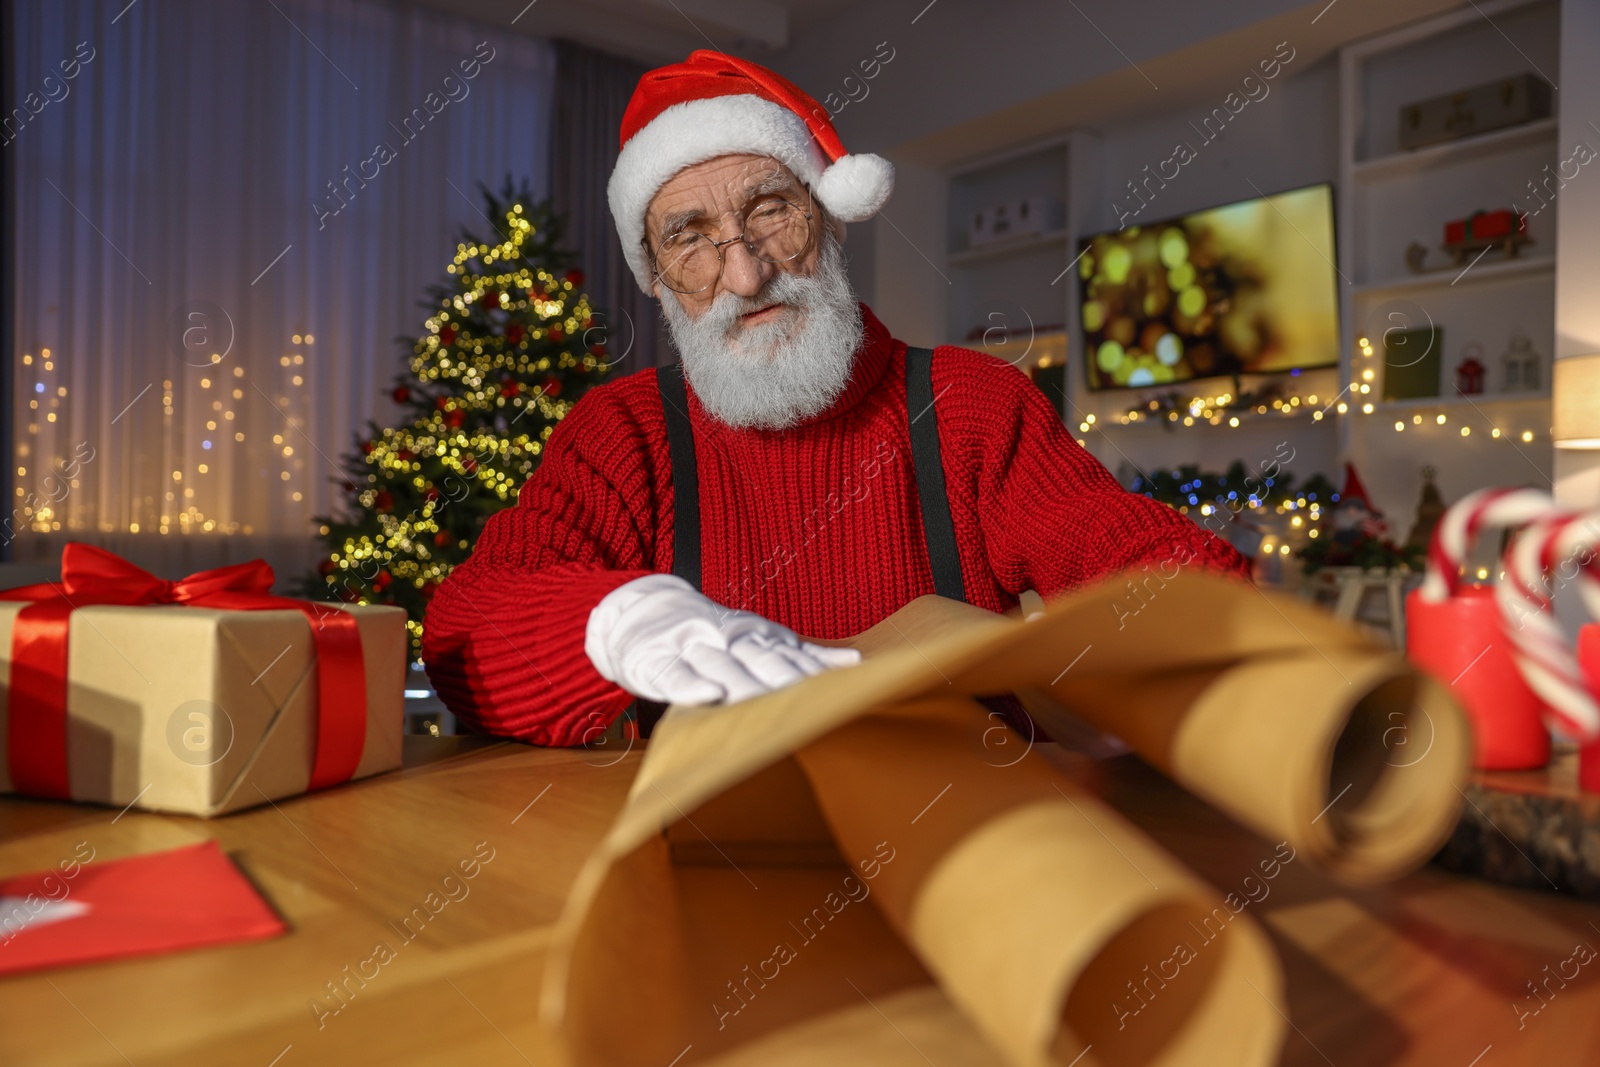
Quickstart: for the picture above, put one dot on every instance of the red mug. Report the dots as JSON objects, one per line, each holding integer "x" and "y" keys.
{"x": 1461, "y": 642}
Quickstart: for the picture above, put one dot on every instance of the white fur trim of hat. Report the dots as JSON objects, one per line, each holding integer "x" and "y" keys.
{"x": 852, "y": 188}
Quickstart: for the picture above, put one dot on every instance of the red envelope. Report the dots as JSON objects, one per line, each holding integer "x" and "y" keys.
{"x": 143, "y": 905}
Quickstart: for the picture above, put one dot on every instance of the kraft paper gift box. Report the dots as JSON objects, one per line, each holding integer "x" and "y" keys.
{"x": 197, "y": 710}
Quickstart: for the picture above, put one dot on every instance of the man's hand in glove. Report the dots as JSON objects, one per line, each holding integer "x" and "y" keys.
{"x": 660, "y": 639}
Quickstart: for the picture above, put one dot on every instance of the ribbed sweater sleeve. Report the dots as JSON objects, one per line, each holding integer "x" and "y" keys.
{"x": 1053, "y": 517}
{"x": 504, "y": 634}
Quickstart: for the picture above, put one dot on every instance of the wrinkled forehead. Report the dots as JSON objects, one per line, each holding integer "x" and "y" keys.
{"x": 703, "y": 191}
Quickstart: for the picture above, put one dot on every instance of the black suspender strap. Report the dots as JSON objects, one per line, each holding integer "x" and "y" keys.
{"x": 937, "y": 525}
{"x": 685, "y": 475}
{"x": 685, "y": 508}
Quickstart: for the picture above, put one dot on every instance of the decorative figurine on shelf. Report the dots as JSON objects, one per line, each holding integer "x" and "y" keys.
{"x": 1470, "y": 371}
{"x": 1523, "y": 372}
{"x": 1430, "y": 507}
{"x": 1506, "y": 229}
{"x": 1417, "y": 258}
{"x": 1355, "y": 535}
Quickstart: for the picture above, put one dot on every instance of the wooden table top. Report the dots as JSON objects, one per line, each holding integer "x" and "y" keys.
{"x": 1429, "y": 971}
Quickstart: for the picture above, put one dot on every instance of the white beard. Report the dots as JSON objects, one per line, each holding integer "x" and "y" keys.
{"x": 775, "y": 374}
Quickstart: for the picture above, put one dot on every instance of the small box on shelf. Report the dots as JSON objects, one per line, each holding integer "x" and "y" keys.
{"x": 1028, "y": 216}
{"x": 1480, "y": 109}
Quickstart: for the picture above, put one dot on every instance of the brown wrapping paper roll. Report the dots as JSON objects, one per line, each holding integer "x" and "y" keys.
{"x": 894, "y": 859}
{"x": 1039, "y": 910}
{"x": 724, "y": 844}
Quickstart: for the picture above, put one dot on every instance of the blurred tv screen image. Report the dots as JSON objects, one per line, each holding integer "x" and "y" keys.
{"x": 1244, "y": 288}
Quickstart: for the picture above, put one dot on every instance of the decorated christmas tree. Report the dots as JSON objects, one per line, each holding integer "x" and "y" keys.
{"x": 509, "y": 345}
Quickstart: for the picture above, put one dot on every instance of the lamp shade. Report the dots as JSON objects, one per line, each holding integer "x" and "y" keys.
{"x": 1575, "y": 395}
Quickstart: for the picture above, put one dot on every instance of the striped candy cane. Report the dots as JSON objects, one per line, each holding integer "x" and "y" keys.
{"x": 1461, "y": 524}
{"x": 1540, "y": 649}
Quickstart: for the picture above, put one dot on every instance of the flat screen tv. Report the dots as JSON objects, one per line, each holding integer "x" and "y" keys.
{"x": 1246, "y": 288}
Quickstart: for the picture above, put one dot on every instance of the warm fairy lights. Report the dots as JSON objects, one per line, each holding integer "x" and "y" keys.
{"x": 511, "y": 346}
{"x": 1225, "y": 409}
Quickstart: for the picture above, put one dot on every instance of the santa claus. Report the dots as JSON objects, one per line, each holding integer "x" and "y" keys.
{"x": 800, "y": 471}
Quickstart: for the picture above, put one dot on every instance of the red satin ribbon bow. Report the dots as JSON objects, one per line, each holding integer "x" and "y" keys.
{"x": 37, "y": 720}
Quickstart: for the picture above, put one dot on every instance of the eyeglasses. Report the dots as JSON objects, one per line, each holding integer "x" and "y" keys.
{"x": 773, "y": 230}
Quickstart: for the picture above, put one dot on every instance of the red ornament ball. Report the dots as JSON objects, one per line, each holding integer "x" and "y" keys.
{"x": 327, "y": 567}
{"x": 382, "y": 581}
{"x": 454, "y": 418}
{"x": 405, "y": 455}
{"x": 514, "y": 333}
{"x": 490, "y": 298}
{"x": 510, "y": 388}
{"x": 575, "y": 277}
{"x": 440, "y": 402}
{"x": 443, "y": 538}
{"x": 469, "y": 463}
{"x": 556, "y": 334}
{"x": 551, "y": 386}
{"x": 431, "y": 495}
{"x": 366, "y": 448}
{"x": 401, "y": 394}
{"x": 447, "y": 336}
{"x": 383, "y": 500}
{"x": 427, "y": 589}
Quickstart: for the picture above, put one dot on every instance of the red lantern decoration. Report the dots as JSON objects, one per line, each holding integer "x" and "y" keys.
{"x": 1469, "y": 377}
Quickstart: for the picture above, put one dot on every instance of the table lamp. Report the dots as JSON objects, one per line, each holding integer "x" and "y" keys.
{"x": 1575, "y": 399}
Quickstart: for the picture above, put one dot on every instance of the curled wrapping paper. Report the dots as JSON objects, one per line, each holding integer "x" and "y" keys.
{"x": 1295, "y": 724}
{"x": 1039, "y": 910}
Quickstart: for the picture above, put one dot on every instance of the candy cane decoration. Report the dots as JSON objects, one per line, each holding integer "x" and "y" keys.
{"x": 1461, "y": 524}
{"x": 1540, "y": 648}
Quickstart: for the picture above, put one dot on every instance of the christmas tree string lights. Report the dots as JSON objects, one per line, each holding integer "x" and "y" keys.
{"x": 510, "y": 346}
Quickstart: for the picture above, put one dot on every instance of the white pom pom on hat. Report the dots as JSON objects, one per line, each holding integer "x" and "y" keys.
{"x": 714, "y": 105}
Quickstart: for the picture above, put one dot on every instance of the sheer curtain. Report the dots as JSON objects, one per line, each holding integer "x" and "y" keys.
{"x": 592, "y": 92}
{"x": 226, "y": 218}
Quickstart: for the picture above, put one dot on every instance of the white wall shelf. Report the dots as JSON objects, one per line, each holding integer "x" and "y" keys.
{"x": 1010, "y": 246}
{"x": 1476, "y": 400}
{"x": 1389, "y": 197}
{"x": 1451, "y": 153}
{"x": 1483, "y": 272}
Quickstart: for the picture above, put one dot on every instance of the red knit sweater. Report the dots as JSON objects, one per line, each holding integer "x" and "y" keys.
{"x": 816, "y": 527}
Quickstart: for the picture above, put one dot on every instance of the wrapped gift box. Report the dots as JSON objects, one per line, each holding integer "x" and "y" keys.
{"x": 205, "y": 710}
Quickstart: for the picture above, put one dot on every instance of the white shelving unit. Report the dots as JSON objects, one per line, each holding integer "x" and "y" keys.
{"x": 1005, "y": 289}
{"x": 1389, "y": 198}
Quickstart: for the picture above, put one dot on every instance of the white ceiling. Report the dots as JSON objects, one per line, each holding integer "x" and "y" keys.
{"x": 657, "y": 31}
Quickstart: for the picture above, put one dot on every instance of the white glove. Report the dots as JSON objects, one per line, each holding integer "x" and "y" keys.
{"x": 658, "y": 638}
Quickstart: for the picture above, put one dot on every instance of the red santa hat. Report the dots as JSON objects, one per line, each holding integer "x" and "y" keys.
{"x": 712, "y": 105}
